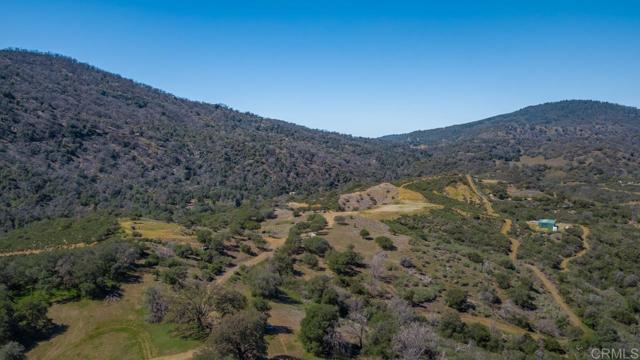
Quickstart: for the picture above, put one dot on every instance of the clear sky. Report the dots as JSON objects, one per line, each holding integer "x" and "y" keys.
{"x": 359, "y": 67}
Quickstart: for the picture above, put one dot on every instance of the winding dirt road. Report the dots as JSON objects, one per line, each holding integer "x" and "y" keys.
{"x": 564, "y": 265}
{"x": 544, "y": 279}
{"x": 515, "y": 243}
{"x": 487, "y": 204}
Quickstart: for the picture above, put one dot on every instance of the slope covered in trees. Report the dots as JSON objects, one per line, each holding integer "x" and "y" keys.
{"x": 73, "y": 137}
{"x": 602, "y": 139}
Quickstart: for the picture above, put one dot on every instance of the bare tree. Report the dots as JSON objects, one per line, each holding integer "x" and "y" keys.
{"x": 415, "y": 341}
{"x": 377, "y": 267}
{"x": 338, "y": 347}
{"x": 156, "y": 303}
{"x": 402, "y": 311}
{"x": 547, "y": 326}
{"x": 358, "y": 319}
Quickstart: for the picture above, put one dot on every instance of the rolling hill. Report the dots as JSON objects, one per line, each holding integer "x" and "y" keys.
{"x": 602, "y": 137}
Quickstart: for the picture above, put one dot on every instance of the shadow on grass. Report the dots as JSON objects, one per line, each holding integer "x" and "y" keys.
{"x": 278, "y": 329}
{"x": 30, "y": 342}
{"x": 283, "y": 298}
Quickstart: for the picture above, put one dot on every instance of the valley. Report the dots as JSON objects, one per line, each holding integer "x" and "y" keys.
{"x": 138, "y": 225}
{"x": 437, "y": 266}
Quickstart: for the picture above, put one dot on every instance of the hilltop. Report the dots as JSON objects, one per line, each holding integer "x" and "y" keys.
{"x": 602, "y": 138}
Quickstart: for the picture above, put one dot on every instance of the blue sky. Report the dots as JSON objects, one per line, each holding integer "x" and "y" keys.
{"x": 363, "y": 68}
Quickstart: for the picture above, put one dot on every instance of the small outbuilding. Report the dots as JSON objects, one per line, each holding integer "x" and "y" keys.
{"x": 547, "y": 224}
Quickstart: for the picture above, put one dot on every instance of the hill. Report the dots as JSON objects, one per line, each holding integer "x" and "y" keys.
{"x": 600, "y": 137}
{"x": 75, "y": 138}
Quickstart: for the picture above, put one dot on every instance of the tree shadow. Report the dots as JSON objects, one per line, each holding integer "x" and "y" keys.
{"x": 31, "y": 342}
{"x": 278, "y": 329}
{"x": 283, "y": 298}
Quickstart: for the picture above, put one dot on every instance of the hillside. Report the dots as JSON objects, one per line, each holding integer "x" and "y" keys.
{"x": 601, "y": 138}
{"x": 73, "y": 138}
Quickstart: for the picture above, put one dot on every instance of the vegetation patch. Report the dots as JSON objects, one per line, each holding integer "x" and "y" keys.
{"x": 60, "y": 232}
{"x": 157, "y": 230}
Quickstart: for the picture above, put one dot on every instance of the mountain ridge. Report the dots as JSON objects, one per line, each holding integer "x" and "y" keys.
{"x": 74, "y": 138}
{"x": 424, "y": 135}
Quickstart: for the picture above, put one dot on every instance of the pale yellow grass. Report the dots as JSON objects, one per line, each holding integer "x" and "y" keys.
{"x": 461, "y": 192}
{"x": 158, "y": 230}
{"x": 487, "y": 204}
{"x": 410, "y": 195}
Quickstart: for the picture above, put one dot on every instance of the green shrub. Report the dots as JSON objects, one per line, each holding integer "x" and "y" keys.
{"x": 424, "y": 294}
{"x": 457, "y": 298}
{"x": 364, "y": 233}
{"x": 506, "y": 263}
{"x": 246, "y": 249}
{"x": 317, "y": 222}
{"x": 475, "y": 257}
{"x": 342, "y": 263}
{"x": 316, "y": 245}
{"x": 310, "y": 260}
{"x": 260, "y": 304}
{"x": 319, "y": 320}
{"x": 503, "y": 280}
{"x": 384, "y": 243}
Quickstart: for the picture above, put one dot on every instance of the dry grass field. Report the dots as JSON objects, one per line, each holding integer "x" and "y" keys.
{"x": 158, "y": 230}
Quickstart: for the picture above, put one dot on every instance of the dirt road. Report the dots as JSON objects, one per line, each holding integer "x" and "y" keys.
{"x": 564, "y": 265}
{"x": 38, "y": 251}
{"x": 485, "y": 202}
{"x": 555, "y": 294}
{"x": 274, "y": 244}
{"x": 515, "y": 243}
{"x": 497, "y": 324}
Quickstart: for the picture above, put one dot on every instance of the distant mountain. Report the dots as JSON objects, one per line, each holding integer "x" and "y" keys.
{"x": 600, "y": 137}
{"x": 73, "y": 137}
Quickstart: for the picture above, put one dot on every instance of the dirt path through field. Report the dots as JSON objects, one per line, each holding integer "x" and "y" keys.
{"x": 555, "y": 294}
{"x": 515, "y": 243}
{"x": 487, "y": 204}
{"x": 39, "y": 251}
{"x": 187, "y": 355}
{"x": 564, "y": 265}
{"x": 498, "y": 324}
{"x": 274, "y": 244}
{"x": 546, "y": 282}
